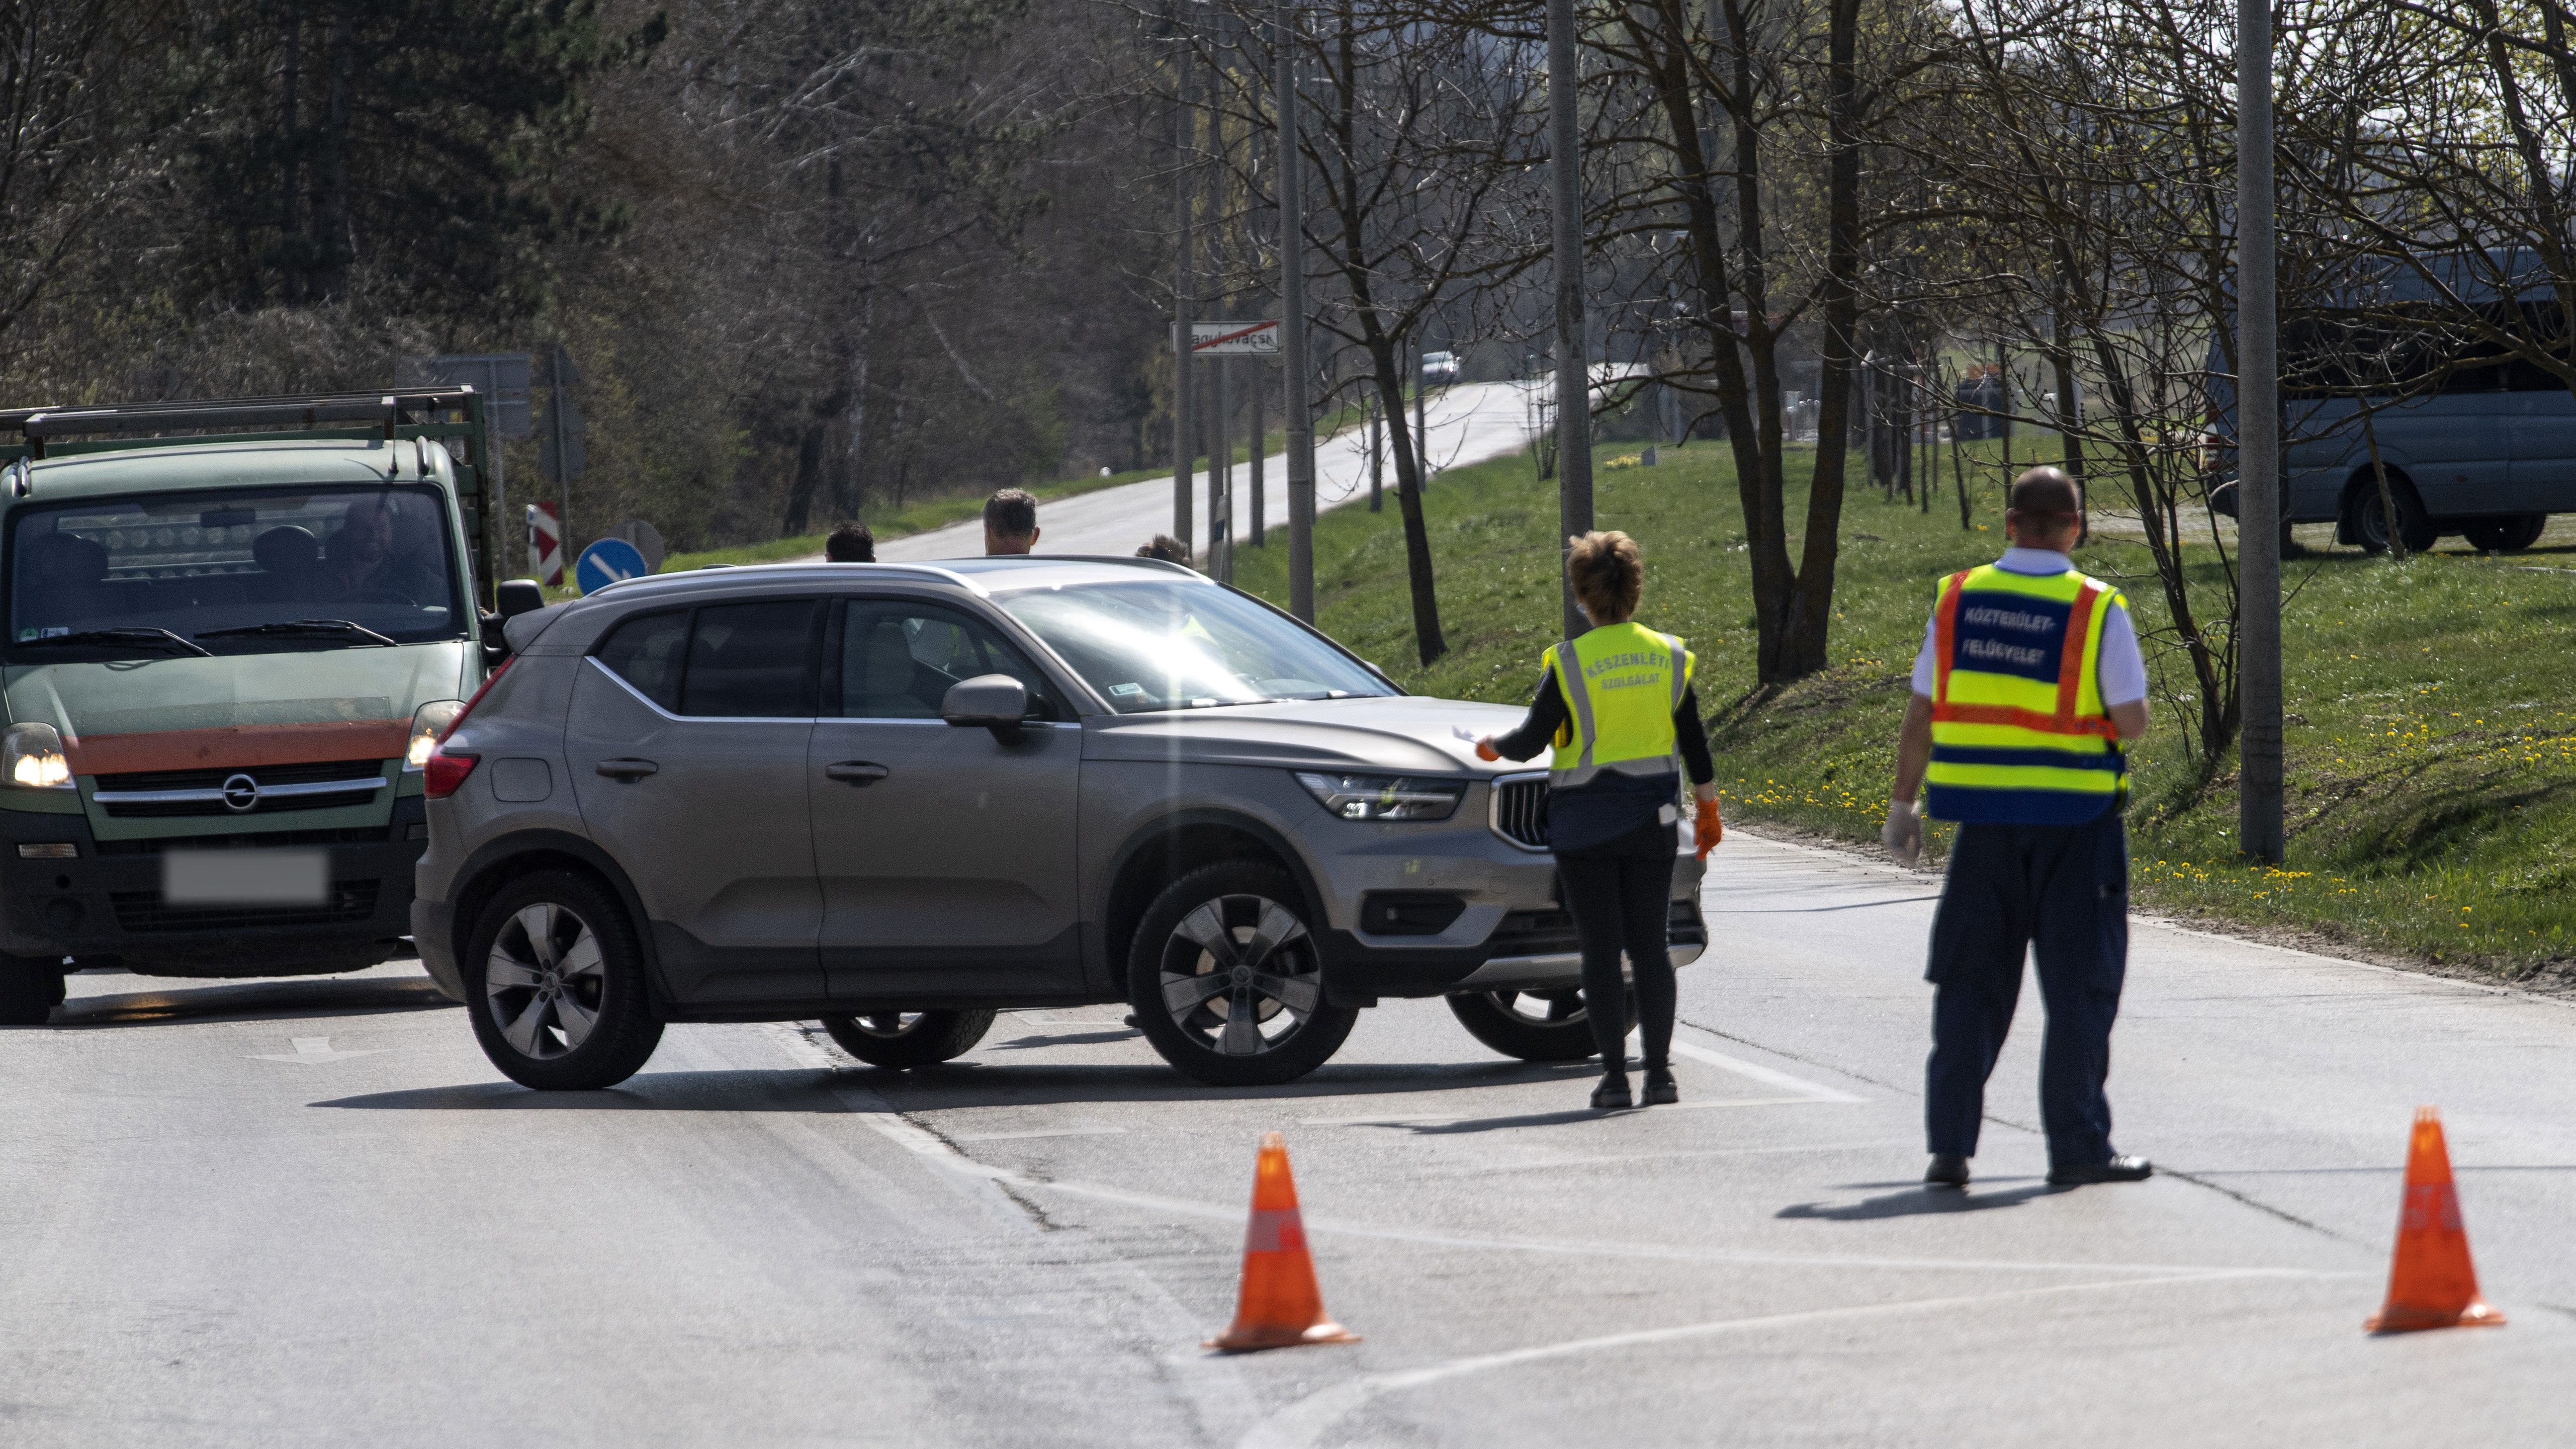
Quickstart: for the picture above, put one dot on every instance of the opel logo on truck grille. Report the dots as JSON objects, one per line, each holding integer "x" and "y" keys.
{"x": 241, "y": 792}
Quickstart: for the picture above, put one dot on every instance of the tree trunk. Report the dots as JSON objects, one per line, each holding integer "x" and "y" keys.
{"x": 1806, "y": 624}
{"x": 1384, "y": 350}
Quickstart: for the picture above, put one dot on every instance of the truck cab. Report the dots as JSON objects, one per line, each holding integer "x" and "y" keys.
{"x": 226, "y": 647}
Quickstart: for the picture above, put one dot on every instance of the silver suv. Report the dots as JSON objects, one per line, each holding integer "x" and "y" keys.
{"x": 902, "y": 797}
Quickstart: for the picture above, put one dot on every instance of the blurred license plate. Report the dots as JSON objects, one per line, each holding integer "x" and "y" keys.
{"x": 246, "y": 877}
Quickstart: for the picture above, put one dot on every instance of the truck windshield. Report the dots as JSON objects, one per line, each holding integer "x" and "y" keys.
{"x": 348, "y": 566}
{"x": 1152, "y": 645}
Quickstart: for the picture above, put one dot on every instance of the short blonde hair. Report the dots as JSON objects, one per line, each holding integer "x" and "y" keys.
{"x": 1606, "y": 573}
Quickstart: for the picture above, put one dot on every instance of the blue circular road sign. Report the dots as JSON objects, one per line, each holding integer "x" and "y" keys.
{"x": 607, "y": 561}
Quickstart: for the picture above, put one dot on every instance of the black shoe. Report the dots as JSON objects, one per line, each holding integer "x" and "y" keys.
{"x": 2118, "y": 1169}
{"x": 1948, "y": 1169}
{"x": 1612, "y": 1094}
{"x": 1661, "y": 1090}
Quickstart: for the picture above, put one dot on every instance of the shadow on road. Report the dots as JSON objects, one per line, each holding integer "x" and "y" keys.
{"x": 273, "y": 999}
{"x": 955, "y": 1084}
{"x": 1919, "y": 1202}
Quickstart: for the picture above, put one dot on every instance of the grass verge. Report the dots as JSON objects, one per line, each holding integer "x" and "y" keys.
{"x": 2431, "y": 741}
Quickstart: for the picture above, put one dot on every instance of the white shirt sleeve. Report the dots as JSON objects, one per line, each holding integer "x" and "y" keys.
{"x": 2122, "y": 671}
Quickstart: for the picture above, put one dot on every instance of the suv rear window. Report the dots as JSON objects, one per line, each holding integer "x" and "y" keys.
{"x": 740, "y": 661}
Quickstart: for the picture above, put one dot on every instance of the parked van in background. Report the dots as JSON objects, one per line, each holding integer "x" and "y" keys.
{"x": 2476, "y": 443}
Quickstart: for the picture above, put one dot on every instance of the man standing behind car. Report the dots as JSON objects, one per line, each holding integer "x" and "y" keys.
{"x": 2028, "y": 680}
{"x": 1011, "y": 522}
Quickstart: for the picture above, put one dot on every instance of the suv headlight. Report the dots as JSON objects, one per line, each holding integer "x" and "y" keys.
{"x": 31, "y": 758}
{"x": 1384, "y": 797}
{"x": 427, "y": 723}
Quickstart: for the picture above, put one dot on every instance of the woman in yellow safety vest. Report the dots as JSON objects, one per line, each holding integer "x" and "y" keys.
{"x": 1618, "y": 709}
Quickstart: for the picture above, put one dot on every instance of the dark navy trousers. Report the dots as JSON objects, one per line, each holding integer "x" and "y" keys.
{"x": 2060, "y": 894}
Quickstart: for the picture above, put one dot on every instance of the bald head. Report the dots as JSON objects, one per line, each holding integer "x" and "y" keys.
{"x": 2046, "y": 510}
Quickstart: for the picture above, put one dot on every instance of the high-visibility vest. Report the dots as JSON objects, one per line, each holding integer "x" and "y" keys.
{"x": 1621, "y": 683}
{"x": 2019, "y": 734}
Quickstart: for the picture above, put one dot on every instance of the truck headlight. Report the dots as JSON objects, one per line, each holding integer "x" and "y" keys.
{"x": 427, "y": 723}
{"x": 31, "y": 758}
{"x": 1384, "y": 797}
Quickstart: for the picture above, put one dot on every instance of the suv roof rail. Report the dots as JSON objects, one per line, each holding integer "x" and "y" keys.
{"x": 389, "y": 408}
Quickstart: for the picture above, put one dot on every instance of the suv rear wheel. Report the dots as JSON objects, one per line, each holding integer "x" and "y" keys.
{"x": 1227, "y": 982}
{"x": 554, "y": 981}
{"x": 1535, "y": 1026}
{"x": 30, "y": 988}
{"x": 909, "y": 1038}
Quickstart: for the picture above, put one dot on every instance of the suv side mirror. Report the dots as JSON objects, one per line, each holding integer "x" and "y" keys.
{"x": 996, "y": 702}
{"x": 519, "y": 596}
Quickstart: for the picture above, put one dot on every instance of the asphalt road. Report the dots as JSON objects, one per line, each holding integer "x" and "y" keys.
{"x": 1468, "y": 423}
{"x": 296, "y": 1212}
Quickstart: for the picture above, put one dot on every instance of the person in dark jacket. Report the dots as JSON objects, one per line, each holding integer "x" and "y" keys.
{"x": 1618, "y": 712}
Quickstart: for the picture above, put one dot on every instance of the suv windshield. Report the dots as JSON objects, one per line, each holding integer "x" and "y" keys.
{"x": 1155, "y": 645}
{"x": 354, "y": 566}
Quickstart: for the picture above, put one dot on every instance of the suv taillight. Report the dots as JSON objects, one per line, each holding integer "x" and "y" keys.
{"x": 446, "y": 769}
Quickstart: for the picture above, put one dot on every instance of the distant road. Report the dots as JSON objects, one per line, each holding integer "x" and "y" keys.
{"x": 1467, "y": 424}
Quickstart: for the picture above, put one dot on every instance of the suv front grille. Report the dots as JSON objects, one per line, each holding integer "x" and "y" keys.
{"x": 1520, "y": 810}
{"x": 1551, "y": 932}
{"x": 363, "y": 777}
{"x": 144, "y": 913}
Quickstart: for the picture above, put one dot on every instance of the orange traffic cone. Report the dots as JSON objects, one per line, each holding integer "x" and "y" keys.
{"x": 1280, "y": 1305}
{"x": 2431, "y": 1283}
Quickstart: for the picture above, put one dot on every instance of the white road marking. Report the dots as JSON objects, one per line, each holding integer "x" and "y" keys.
{"x": 1767, "y": 1076}
{"x": 1041, "y": 1132}
{"x": 1303, "y": 1422}
{"x": 313, "y": 1051}
{"x": 1442, "y": 1119}
{"x": 880, "y": 1116}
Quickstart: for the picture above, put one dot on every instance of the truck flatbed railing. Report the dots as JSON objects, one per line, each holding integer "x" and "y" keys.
{"x": 439, "y": 414}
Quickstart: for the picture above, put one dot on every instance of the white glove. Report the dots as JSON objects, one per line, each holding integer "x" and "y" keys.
{"x": 1903, "y": 833}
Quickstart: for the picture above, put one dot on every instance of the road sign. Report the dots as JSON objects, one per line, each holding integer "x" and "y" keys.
{"x": 545, "y": 544}
{"x": 607, "y": 561}
{"x": 501, "y": 377}
{"x": 647, "y": 540}
{"x": 1234, "y": 339}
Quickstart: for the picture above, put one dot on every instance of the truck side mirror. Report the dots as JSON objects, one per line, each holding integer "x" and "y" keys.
{"x": 997, "y": 702}
{"x": 519, "y": 596}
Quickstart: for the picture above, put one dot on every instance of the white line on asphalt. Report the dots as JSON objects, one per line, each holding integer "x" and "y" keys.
{"x": 1440, "y": 1119}
{"x": 313, "y": 1051}
{"x": 1617, "y": 1159}
{"x": 1042, "y": 1132}
{"x": 879, "y": 1115}
{"x": 1303, "y": 1422}
{"x": 1768, "y": 1076}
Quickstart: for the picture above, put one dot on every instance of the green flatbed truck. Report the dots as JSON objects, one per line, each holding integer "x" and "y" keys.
{"x": 229, "y": 632}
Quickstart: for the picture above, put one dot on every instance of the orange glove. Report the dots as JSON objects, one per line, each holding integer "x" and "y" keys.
{"x": 1707, "y": 829}
{"x": 1485, "y": 750}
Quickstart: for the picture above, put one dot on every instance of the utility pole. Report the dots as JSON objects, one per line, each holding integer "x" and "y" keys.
{"x": 2258, "y": 447}
{"x": 1292, "y": 323}
{"x": 1573, "y": 366}
{"x": 1185, "y": 433}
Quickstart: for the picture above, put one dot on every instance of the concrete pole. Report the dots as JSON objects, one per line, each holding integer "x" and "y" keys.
{"x": 1292, "y": 313}
{"x": 1220, "y": 554}
{"x": 1185, "y": 432}
{"x": 1573, "y": 354}
{"x": 2258, "y": 446}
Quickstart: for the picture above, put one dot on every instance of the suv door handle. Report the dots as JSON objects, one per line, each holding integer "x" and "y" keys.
{"x": 856, "y": 772}
{"x": 629, "y": 771}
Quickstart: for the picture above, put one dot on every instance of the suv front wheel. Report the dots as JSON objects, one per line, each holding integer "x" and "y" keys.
{"x": 554, "y": 981}
{"x": 1227, "y": 980}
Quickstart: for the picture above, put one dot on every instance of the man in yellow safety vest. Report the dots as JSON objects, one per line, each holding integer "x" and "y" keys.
{"x": 2028, "y": 681}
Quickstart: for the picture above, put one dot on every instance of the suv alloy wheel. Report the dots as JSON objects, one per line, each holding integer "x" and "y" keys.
{"x": 555, "y": 984}
{"x": 1227, "y": 982}
{"x": 1535, "y": 1026}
